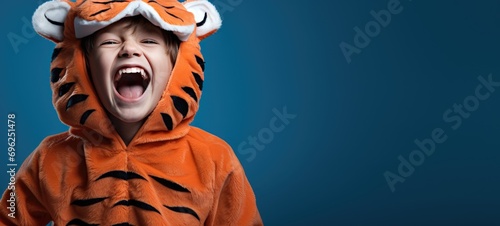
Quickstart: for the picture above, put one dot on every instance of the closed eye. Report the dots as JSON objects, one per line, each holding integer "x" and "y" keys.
{"x": 150, "y": 41}
{"x": 108, "y": 42}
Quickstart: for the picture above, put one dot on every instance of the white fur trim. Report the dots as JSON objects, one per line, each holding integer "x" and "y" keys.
{"x": 55, "y": 11}
{"x": 84, "y": 28}
{"x": 199, "y": 8}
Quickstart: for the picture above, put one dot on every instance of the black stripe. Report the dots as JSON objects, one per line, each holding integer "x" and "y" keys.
{"x": 55, "y": 53}
{"x": 198, "y": 79}
{"x": 54, "y": 22}
{"x": 79, "y": 222}
{"x": 101, "y": 11}
{"x": 123, "y": 224}
{"x": 81, "y": 3}
{"x": 174, "y": 16}
{"x": 65, "y": 88}
{"x": 136, "y": 203}
{"x": 54, "y": 74}
{"x": 180, "y": 209}
{"x": 112, "y": 1}
{"x": 122, "y": 203}
{"x": 181, "y": 105}
{"x": 201, "y": 23}
{"x": 200, "y": 61}
{"x": 87, "y": 202}
{"x": 86, "y": 115}
{"x": 170, "y": 184}
{"x": 191, "y": 92}
{"x": 75, "y": 99}
{"x": 121, "y": 175}
{"x": 167, "y": 120}
{"x": 166, "y": 7}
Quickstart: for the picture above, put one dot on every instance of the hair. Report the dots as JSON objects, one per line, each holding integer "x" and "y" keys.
{"x": 171, "y": 40}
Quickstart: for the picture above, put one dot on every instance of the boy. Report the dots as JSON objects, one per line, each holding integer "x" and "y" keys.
{"x": 127, "y": 77}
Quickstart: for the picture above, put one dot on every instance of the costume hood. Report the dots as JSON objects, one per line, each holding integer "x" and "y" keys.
{"x": 65, "y": 22}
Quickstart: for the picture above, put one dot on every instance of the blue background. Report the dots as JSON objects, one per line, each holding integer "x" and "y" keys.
{"x": 353, "y": 120}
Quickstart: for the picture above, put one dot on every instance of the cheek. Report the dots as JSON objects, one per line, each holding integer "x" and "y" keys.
{"x": 159, "y": 87}
{"x": 164, "y": 71}
{"x": 96, "y": 70}
{"x": 97, "y": 65}
{"x": 161, "y": 84}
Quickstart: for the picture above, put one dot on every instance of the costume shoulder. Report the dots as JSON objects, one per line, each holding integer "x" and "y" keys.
{"x": 217, "y": 148}
{"x": 235, "y": 202}
{"x": 50, "y": 160}
{"x": 32, "y": 195}
{"x": 50, "y": 147}
{"x": 56, "y": 141}
{"x": 210, "y": 139}
{"x": 53, "y": 153}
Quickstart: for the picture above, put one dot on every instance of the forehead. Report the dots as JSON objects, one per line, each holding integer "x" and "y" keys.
{"x": 133, "y": 25}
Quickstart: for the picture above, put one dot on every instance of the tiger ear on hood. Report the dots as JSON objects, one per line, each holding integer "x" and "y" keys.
{"x": 48, "y": 20}
{"x": 207, "y": 18}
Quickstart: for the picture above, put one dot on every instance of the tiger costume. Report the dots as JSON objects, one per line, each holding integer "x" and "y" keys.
{"x": 169, "y": 174}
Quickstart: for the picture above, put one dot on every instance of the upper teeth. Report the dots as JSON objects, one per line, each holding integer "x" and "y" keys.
{"x": 133, "y": 70}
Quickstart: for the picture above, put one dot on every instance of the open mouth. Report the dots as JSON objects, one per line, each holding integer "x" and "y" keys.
{"x": 131, "y": 82}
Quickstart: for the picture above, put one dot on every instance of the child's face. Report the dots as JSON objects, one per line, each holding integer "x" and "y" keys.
{"x": 130, "y": 68}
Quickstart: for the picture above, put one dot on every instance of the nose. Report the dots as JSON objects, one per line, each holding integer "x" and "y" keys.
{"x": 130, "y": 49}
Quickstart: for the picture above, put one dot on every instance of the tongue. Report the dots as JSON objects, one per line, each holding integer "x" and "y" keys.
{"x": 131, "y": 92}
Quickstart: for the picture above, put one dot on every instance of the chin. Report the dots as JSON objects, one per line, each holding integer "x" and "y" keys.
{"x": 131, "y": 116}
